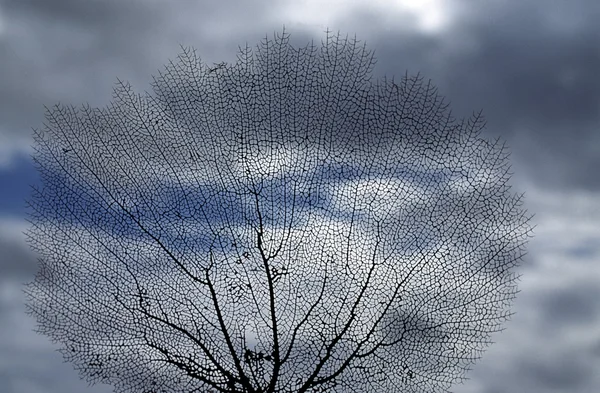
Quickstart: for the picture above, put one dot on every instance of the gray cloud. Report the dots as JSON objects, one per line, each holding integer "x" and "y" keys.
{"x": 72, "y": 52}
{"x": 571, "y": 306}
{"x": 531, "y": 68}
{"x": 15, "y": 261}
{"x": 566, "y": 371}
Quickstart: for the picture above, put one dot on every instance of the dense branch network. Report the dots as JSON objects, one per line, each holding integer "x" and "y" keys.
{"x": 281, "y": 224}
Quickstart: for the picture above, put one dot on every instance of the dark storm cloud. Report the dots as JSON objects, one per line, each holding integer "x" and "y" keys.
{"x": 538, "y": 80}
{"x": 532, "y": 67}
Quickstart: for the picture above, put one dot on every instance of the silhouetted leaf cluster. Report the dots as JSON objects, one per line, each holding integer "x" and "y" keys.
{"x": 280, "y": 224}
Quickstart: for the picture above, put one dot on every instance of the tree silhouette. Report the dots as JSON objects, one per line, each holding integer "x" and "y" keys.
{"x": 281, "y": 224}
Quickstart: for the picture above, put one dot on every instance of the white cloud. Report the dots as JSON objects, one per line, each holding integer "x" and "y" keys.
{"x": 429, "y": 16}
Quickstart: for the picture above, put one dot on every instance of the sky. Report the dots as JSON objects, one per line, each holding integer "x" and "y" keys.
{"x": 531, "y": 66}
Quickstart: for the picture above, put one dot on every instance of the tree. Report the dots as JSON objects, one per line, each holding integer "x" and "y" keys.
{"x": 281, "y": 224}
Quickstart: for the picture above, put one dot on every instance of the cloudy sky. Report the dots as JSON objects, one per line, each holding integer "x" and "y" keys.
{"x": 530, "y": 65}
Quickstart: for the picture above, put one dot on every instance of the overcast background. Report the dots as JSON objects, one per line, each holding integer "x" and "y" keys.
{"x": 532, "y": 66}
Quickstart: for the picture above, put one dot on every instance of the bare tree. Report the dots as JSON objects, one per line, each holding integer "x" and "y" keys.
{"x": 281, "y": 224}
